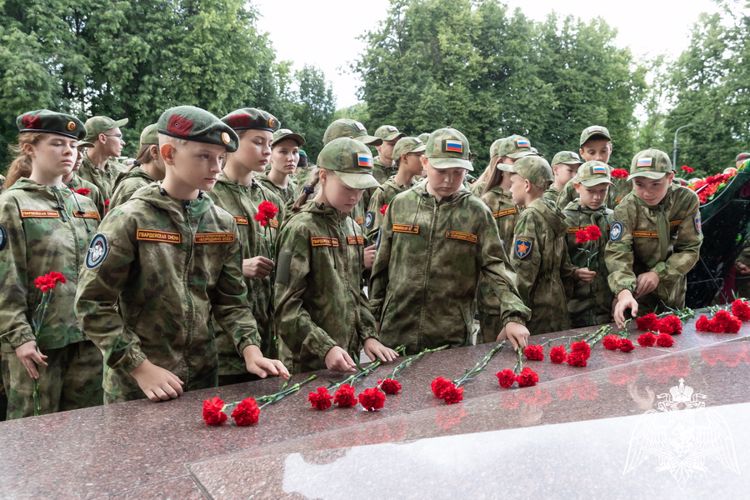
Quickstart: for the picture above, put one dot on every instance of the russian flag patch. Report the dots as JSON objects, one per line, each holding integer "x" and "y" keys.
{"x": 599, "y": 169}
{"x": 644, "y": 162}
{"x": 523, "y": 143}
{"x": 364, "y": 161}
{"x": 450, "y": 146}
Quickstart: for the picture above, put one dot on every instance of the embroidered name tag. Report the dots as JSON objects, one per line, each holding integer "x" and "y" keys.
{"x": 240, "y": 220}
{"x": 210, "y": 238}
{"x": 460, "y": 235}
{"x": 355, "y": 240}
{"x": 324, "y": 241}
{"x": 645, "y": 234}
{"x": 675, "y": 223}
{"x": 87, "y": 215}
{"x": 505, "y": 212}
{"x": 573, "y": 230}
{"x": 40, "y": 214}
{"x": 158, "y": 236}
{"x": 405, "y": 228}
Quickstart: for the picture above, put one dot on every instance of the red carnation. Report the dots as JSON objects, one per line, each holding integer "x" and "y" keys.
{"x": 649, "y": 322}
{"x": 506, "y": 378}
{"x": 687, "y": 170}
{"x": 741, "y": 310}
{"x": 647, "y": 339}
{"x": 732, "y": 325}
{"x": 383, "y": 209}
{"x": 453, "y": 394}
{"x": 49, "y": 281}
{"x": 620, "y": 173}
{"x": 246, "y": 412}
{"x": 372, "y": 399}
{"x": 724, "y": 322}
{"x": 593, "y": 232}
{"x": 83, "y": 191}
{"x": 390, "y": 386}
{"x": 534, "y": 352}
{"x": 179, "y": 125}
{"x": 577, "y": 358}
{"x": 626, "y": 345}
{"x": 439, "y": 385}
{"x": 106, "y": 203}
{"x": 611, "y": 342}
{"x": 558, "y": 354}
{"x": 212, "y": 411}
{"x": 266, "y": 212}
{"x": 664, "y": 340}
{"x": 527, "y": 378}
{"x": 581, "y": 346}
{"x": 321, "y": 399}
{"x": 345, "y": 397}
{"x": 670, "y": 324}
{"x": 703, "y": 324}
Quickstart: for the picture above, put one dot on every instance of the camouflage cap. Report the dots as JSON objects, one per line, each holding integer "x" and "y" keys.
{"x": 594, "y": 131}
{"x": 351, "y": 161}
{"x": 346, "y": 127}
{"x": 535, "y": 169}
{"x": 514, "y": 146}
{"x": 196, "y": 124}
{"x": 388, "y": 133}
{"x": 448, "y": 148}
{"x": 407, "y": 145}
{"x": 85, "y": 144}
{"x": 284, "y": 133}
{"x": 99, "y": 124}
{"x": 424, "y": 137}
{"x": 651, "y": 164}
{"x": 592, "y": 173}
{"x": 251, "y": 119}
{"x": 567, "y": 158}
{"x": 150, "y": 135}
{"x": 51, "y": 122}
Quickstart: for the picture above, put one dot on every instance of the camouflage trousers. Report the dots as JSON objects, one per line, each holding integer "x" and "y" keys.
{"x": 72, "y": 379}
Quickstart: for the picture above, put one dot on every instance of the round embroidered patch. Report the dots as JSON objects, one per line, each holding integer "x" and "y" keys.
{"x": 369, "y": 220}
{"x": 3, "y": 237}
{"x": 98, "y": 251}
{"x": 697, "y": 223}
{"x": 615, "y": 232}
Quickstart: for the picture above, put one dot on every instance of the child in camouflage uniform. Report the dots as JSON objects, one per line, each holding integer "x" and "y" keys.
{"x": 44, "y": 226}
{"x": 655, "y": 239}
{"x": 148, "y": 168}
{"x": 439, "y": 245}
{"x": 321, "y": 311}
{"x": 161, "y": 265}
{"x": 284, "y": 158}
{"x": 564, "y": 167}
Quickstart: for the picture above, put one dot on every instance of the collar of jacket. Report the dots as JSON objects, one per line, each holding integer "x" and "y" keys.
{"x": 155, "y": 196}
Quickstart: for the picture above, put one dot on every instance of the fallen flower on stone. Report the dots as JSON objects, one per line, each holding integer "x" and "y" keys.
{"x": 664, "y": 340}
{"x": 451, "y": 391}
{"x": 741, "y": 309}
{"x": 391, "y": 385}
{"x": 722, "y": 322}
{"x": 647, "y": 339}
{"x": 558, "y": 354}
{"x": 625, "y": 345}
{"x": 246, "y": 413}
{"x": 213, "y": 411}
{"x": 372, "y": 399}
{"x": 506, "y": 378}
{"x": 527, "y": 378}
{"x": 344, "y": 397}
{"x": 534, "y": 352}
{"x": 611, "y": 342}
{"x": 320, "y": 399}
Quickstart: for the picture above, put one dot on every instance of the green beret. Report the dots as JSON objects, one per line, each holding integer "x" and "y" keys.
{"x": 51, "y": 122}
{"x": 251, "y": 119}
{"x": 196, "y": 124}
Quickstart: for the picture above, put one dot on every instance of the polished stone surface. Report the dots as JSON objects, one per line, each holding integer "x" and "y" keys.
{"x": 145, "y": 450}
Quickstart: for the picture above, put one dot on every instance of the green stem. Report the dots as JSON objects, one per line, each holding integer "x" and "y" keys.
{"x": 519, "y": 362}
{"x": 472, "y": 373}
{"x": 270, "y": 399}
{"x": 413, "y": 359}
{"x": 362, "y": 373}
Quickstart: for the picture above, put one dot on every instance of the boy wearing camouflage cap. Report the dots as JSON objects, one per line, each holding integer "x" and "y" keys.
{"x": 384, "y": 167}
{"x": 44, "y": 227}
{"x": 503, "y": 154}
{"x": 591, "y": 302}
{"x": 408, "y": 153}
{"x": 540, "y": 256}
{"x": 655, "y": 239}
{"x": 82, "y": 186}
{"x": 99, "y": 166}
{"x": 564, "y": 167}
{"x": 148, "y": 168}
{"x": 240, "y": 193}
{"x": 440, "y": 244}
{"x": 321, "y": 311}
{"x": 161, "y": 265}
{"x": 285, "y": 154}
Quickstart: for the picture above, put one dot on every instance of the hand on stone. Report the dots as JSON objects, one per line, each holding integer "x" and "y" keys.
{"x": 29, "y": 356}
{"x": 261, "y": 366}
{"x": 338, "y": 360}
{"x": 375, "y": 350}
{"x": 646, "y": 283}
{"x": 370, "y": 256}
{"x": 584, "y": 275}
{"x": 625, "y": 301}
{"x": 517, "y": 333}
{"x": 257, "y": 267}
{"x": 157, "y": 383}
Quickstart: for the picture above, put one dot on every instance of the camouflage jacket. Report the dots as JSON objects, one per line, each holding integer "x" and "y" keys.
{"x": 477, "y": 189}
{"x": 435, "y": 259}
{"x": 505, "y": 213}
{"x": 285, "y": 194}
{"x": 104, "y": 179}
{"x": 318, "y": 298}
{"x": 383, "y": 195}
{"x": 665, "y": 239}
{"x": 128, "y": 183}
{"x": 42, "y": 229}
{"x": 381, "y": 171}
{"x": 96, "y": 196}
{"x": 242, "y": 203}
{"x": 590, "y": 303}
{"x": 615, "y": 194}
{"x": 541, "y": 261}
{"x": 155, "y": 272}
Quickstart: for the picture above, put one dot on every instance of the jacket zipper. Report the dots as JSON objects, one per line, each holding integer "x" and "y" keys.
{"x": 188, "y": 296}
{"x": 427, "y": 272}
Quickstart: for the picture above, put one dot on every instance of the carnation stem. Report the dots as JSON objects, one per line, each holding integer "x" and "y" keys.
{"x": 269, "y": 399}
{"x": 472, "y": 373}
{"x": 413, "y": 359}
{"x": 362, "y": 373}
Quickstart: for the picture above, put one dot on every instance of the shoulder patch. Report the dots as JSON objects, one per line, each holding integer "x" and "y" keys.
{"x": 696, "y": 222}
{"x": 98, "y": 251}
{"x": 369, "y": 220}
{"x": 615, "y": 231}
{"x": 3, "y": 237}
{"x": 522, "y": 247}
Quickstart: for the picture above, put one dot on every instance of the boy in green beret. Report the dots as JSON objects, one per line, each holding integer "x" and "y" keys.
{"x": 161, "y": 265}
